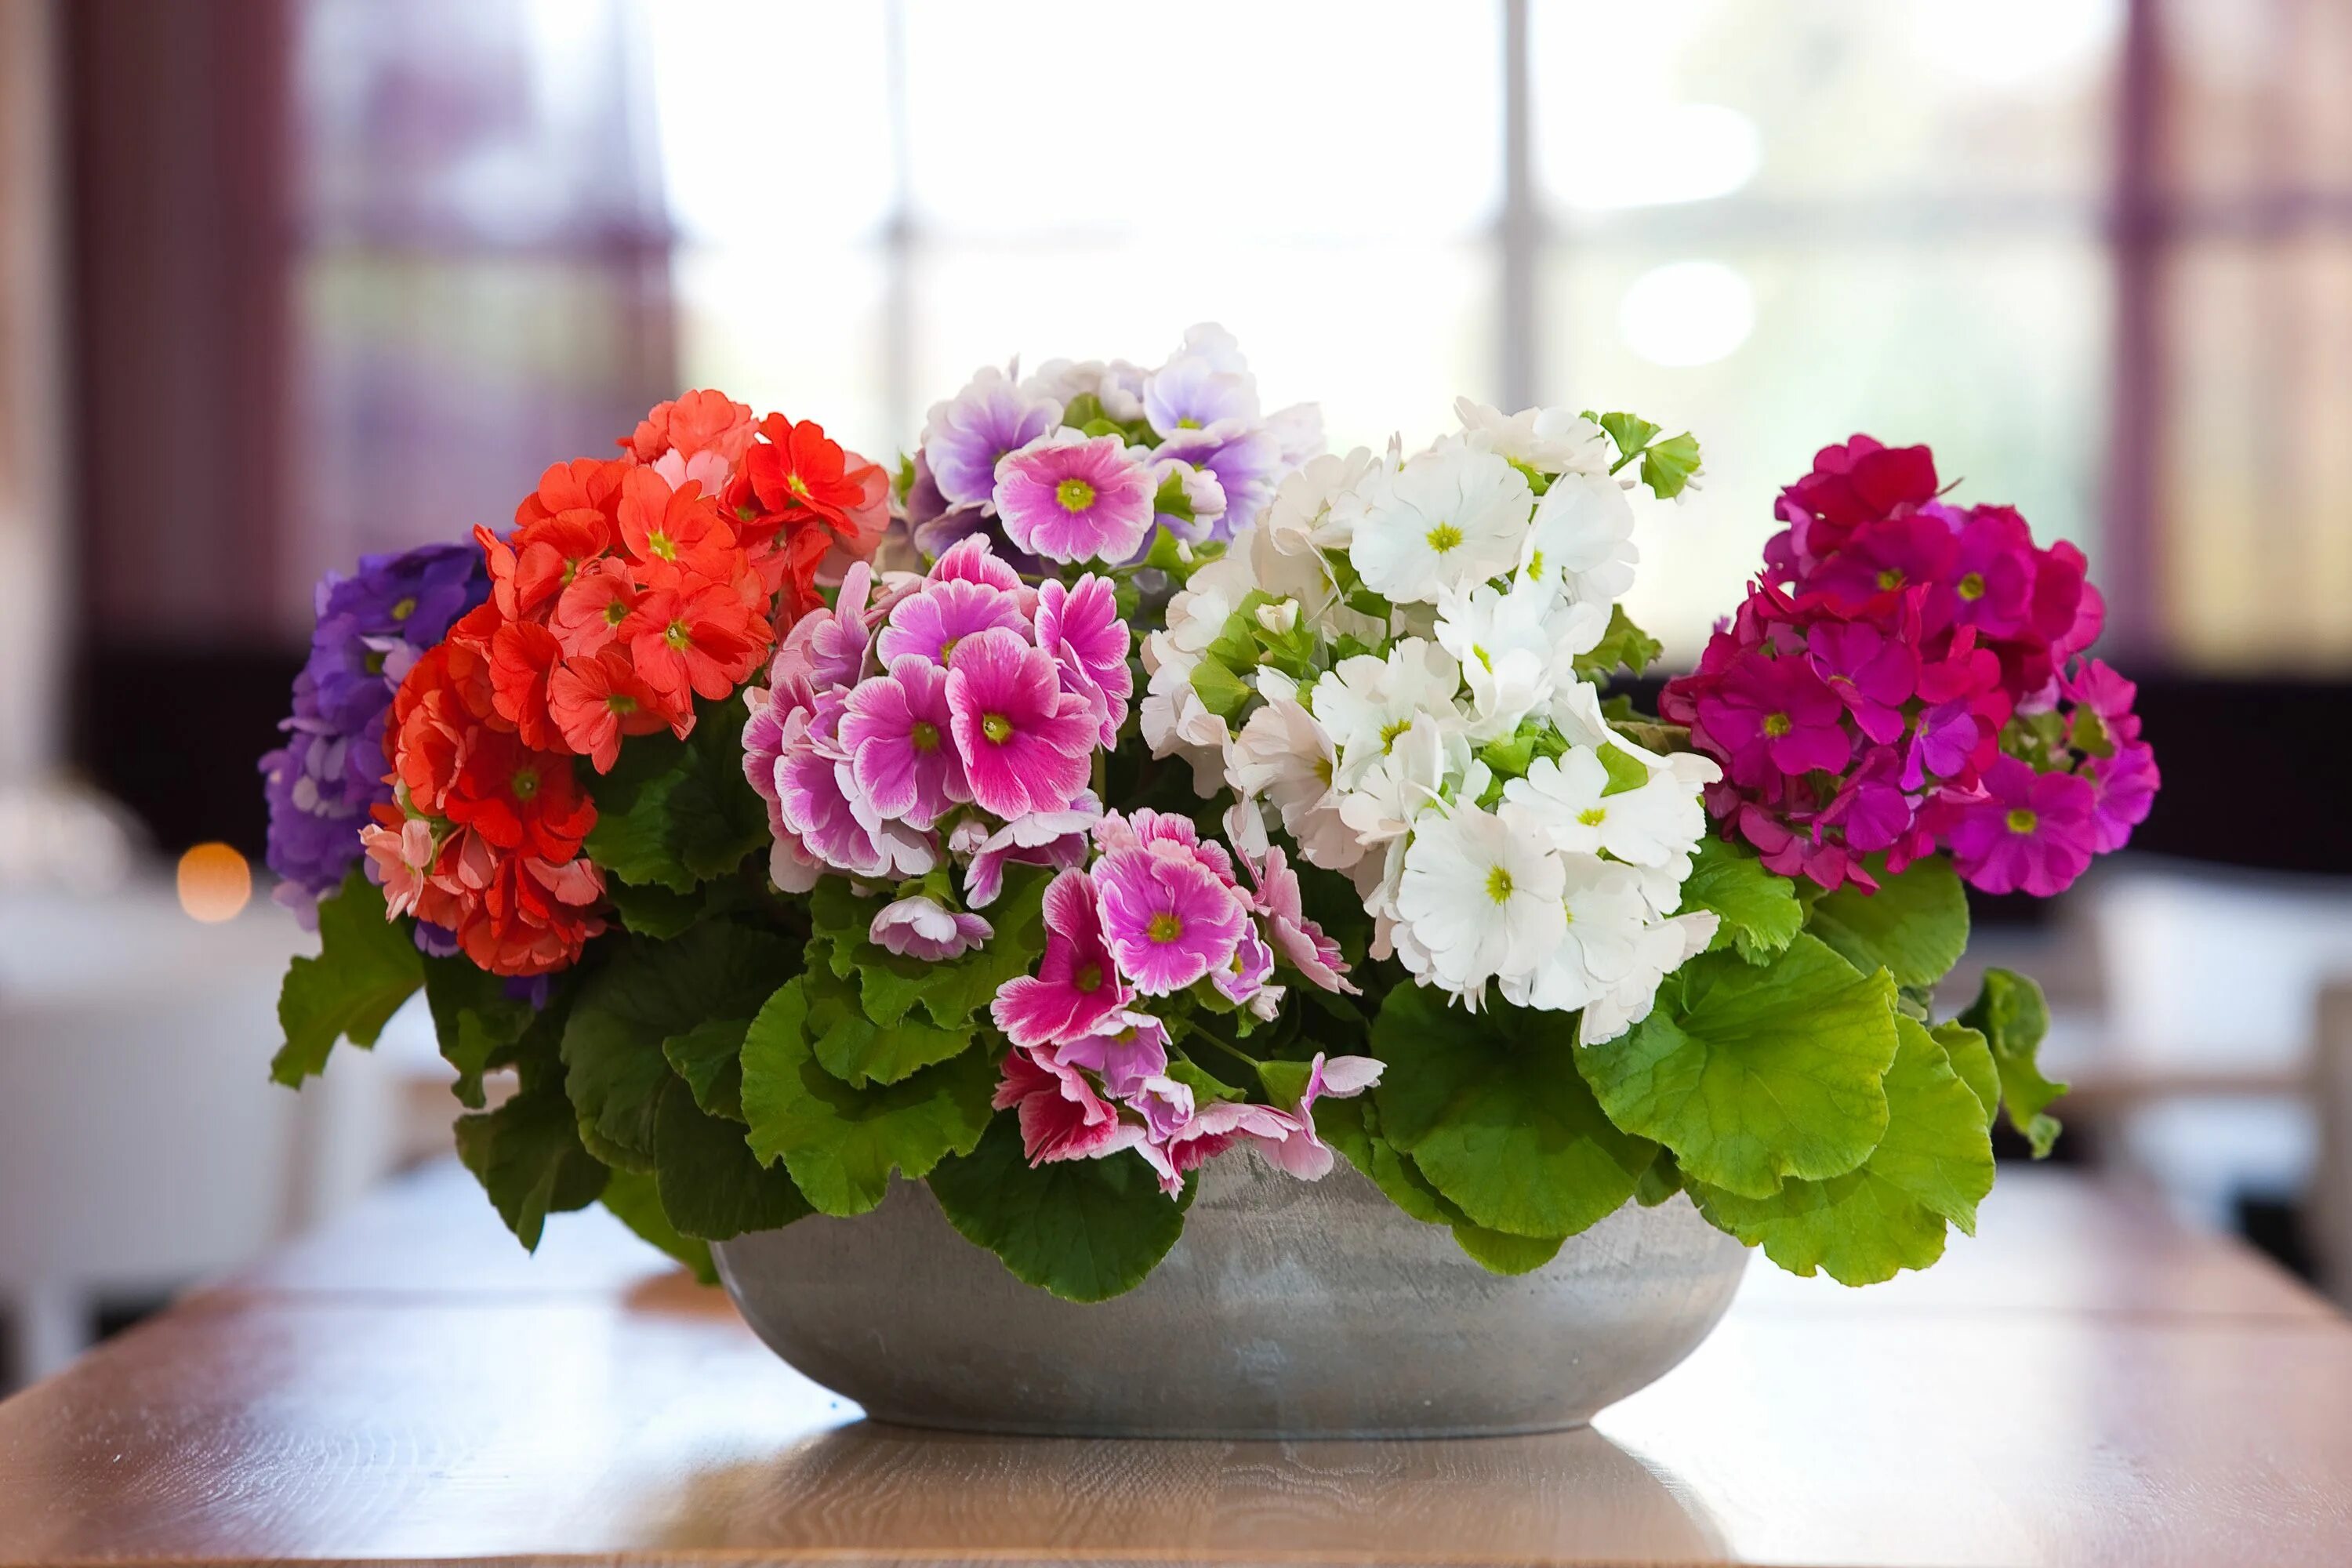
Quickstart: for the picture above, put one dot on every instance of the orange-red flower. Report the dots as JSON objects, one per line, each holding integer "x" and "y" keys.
{"x": 532, "y": 916}
{"x": 588, "y": 615}
{"x": 681, "y": 528}
{"x": 518, "y": 798}
{"x": 597, "y": 700}
{"x": 522, "y": 656}
{"x": 695, "y": 423}
{"x": 689, "y": 634}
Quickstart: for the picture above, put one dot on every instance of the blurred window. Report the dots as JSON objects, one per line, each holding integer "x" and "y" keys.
{"x": 2098, "y": 252}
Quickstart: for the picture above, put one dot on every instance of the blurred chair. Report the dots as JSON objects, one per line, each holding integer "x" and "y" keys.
{"x": 141, "y": 1144}
{"x": 2212, "y": 982}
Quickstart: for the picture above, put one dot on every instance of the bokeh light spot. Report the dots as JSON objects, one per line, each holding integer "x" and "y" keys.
{"x": 214, "y": 883}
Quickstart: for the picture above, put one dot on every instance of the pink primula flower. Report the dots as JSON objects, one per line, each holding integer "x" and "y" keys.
{"x": 1299, "y": 941}
{"x": 1026, "y": 742}
{"x": 1286, "y": 1137}
{"x": 921, "y": 928}
{"x": 1775, "y": 715}
{"x": 895, "y": 729}
{"x": 1075, "y": 498}
{"x": 1061, "y": 1116}
{"x": 931, "y": 624}
{"x": 1055, "y": 838}
{"x": 1076, "y": 985}
{"x": 2030, "y": 831}
{"x": 1871, "y": 673}
{"x": 1081, "y": 628}
{"x": 1167, "y": 916}
{"x": 1126, "y": 1050}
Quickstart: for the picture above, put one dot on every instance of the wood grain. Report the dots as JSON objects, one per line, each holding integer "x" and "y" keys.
{"x": 396, "y": 1390}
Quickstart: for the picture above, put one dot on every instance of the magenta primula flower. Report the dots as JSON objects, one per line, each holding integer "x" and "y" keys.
{"x": 931, "y": 623}
{"x": 923, "y": 928}
{"x": 1026, "y": 742}
{"x": 1061, "y": 1116}
{"x": 2123, "y": 789}
{"x": 1245, "y": 978}
{"x": 1872, "y": 810}
{"x": 1078, "y": 499}
{"x": 1079, "y": 625}
{"x": 1076, "y": 985}
{"x": 1286, "y": 1138}
{"x": 1774, "y": 715}
{"x": 1990, "y": 582}
{"x": 1871, "y": 673}
{"x": 1942, "y": 741}
{"x": 1884, "y": 558}
{"x": 1126, "y": 1050}
{"x": 895, "y": 728}
{"x": 971, "y": 559}
{"x": 1167, "y": 916}
{"x": 2029, "y": 831}
{"x": 1299, "y": 941}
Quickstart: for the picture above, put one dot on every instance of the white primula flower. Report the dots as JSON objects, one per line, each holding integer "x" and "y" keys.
{"x": 1646, "y": 826}
{"x": 1662, "y": 949}
{"x": 1407, "y": 781}
{"x": 1367, "y": 701}
{"x": 1583, "y": 539}
{"x": 1514, "y": 649}
{"x": 1300, "y": 520}
{"x": 1176, "y": 724}
{"x": 1284, "y": 757}
{"x": 1446, "y": 519}
{"x": 1480, "y": 897}
{"x": 1118, "y": 385}
{"x": 1605, "y": 919}
{"x": 1549, "y": 440}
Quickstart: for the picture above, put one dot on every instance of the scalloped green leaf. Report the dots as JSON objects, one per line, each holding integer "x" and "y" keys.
{"x": 2012, "y": 1015}
{"x": 1754, "y": 1074}
{"x": 1932, "y": 1168}
{"x": 711, "y": 1184}
{"x": 710, "y": 1057}
{"x": 474, "y": 1019}
{"x": 528, "y": 1156}
{"x": 842, "y": 1144}
{"x": 1350, "y": 1127}
{"x": 1492, "y": 1110}
{"x": 675, "y": 814}
{"x": 1915, "y": 927}
{"x": 1759, "y": 912}
{"x": 1084, "y": 1230}
{"x": 367, "y": 966}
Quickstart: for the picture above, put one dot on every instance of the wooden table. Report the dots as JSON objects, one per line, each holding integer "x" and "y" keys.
{"x": 2084, "y": 1384}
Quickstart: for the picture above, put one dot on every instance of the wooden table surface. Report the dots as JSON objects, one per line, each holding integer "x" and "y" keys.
{"x": 2084, "y": 1384}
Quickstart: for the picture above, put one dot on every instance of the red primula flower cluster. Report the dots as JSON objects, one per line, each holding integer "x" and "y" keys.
{"x": 629, "y": 587}
{"x": 1903, "y": 677}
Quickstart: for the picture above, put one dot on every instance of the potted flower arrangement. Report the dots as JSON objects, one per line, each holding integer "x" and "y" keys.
{"x": 1127, "y": 815}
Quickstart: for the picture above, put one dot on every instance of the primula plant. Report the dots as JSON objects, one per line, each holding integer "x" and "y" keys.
{"x": 1127, "y": 784}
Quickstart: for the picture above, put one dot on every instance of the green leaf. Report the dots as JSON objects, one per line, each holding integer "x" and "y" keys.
{"x": 1661, "y": 1182}
{"x": 1916, "y": 926}
{"x": 1934, "y": 1166}
{"x": 1631, "y": 432}
{"x": 1626, "y": 771}
{"x": 656, "y": 911}
{"x": 1667, "y": 466}
{"x": 614, "y": 1063}
{"x": 1220, "y": 689}
{"x": 858, "y": 1051}
{"x": 2012, "y": 1015}
{"x": 1624, "y": 644}
{"x": 1971, "y": 1058}
{"x": 636, "y": 1202}
{"x": 677, "y": 812}
{"x": 528, "y": 1157}
{"x": 954, "y": 994}
{"x": 710, "y": 1057}
{"x": 710, "y": 1182}
{"x": 841, "y": 1143}
{"x": 1349, "y": 1126}
{"x": 1759, "y": 912}
{"x": 1749, "y": 1074}
{"x": 1086, "y": 1231}
{"x": 367, "y": 966}
{"x": 1492, "y": 1110}
{"x": 474, "y": 1018}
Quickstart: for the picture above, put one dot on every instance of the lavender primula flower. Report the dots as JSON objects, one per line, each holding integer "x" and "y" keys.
{"x": 319, "y": 786}
{"x": 1246, "y": 461}
{"x": 965, "y": 436}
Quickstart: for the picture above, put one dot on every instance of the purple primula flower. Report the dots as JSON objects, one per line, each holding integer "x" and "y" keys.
{"x": 1124, "y": 1050}
{"x": 2123, "y": 788}
{"x": 964, "y": 438}
{"x": 923, "y": 928}
{"x": 2027, "y": 830}
{"x": 1069, "y": 497}
{"x": 1942, "y": 740}
{"x": 1194, "y": 391}
{"x": 1872, "y": 808}
{"x": 819, "y": 802}
{"x": 1247, "y": 462}
{"x": 319, "y": 786}
{"x": 1244, "y": 978}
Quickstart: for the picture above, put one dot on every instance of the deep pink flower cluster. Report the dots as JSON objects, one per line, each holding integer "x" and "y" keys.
{"x": 954, "y": 715}
{"x": 1160, "y": 912}
{"x": 1906, "y": 675}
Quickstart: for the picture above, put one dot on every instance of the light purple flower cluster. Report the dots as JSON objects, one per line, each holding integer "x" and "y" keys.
{"x": 1080, "y": 460}
{"x": 321, "y": 784}
{"x": 1160, "y": 912}
{"x": 950, "y": 717}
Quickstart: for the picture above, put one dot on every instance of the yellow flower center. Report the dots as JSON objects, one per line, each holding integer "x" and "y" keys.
{"x": 1088, "y": 980}
{"x": 1164, "y": 927}
{"x": 1075, "y": 494}
{"x": 1390, "y": 731}
{"x": 524, "y": 783}
{"x": 797, "y": 485}
{"x": 678, "y": 637}
{"x": 661, "y": 545}
{"x": 404, "y": 608}
{"x": 1499, "y": 885}
{"x": 996, "y": 727}
{"x": 1890, "y": 578}
{"x": 2022, "y": 820}
{"x": 1593, "y": 816}
{"x": 621, "y": 703}
{"x": 1972, "y": 587}
{"x": 925, "y": 735}
{"x": 1444, "y": 537}
{"x": 1778, "y": 724}
{"x": 615, "y": 613}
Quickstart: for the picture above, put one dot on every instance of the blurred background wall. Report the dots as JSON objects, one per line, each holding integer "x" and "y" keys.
{"x": 286, "y": 280}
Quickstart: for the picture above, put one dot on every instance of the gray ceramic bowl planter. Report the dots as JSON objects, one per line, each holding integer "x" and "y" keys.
{"x": 1289, "y": 1308}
